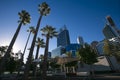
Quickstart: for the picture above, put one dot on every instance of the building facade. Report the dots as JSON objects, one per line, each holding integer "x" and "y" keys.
{"x": 110, "y": 30}
{"x": 80, "y": 40}
{"x": 99, "y": 48}
{"x": 63, "y": 38}
{"x": 72, "y": 48}
{"x": 57, "y": 52}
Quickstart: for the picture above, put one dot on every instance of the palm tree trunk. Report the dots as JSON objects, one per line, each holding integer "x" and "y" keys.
{"x": 2, "y": 65}
{"x": 27, "y": 66}
{"x": 26, "y": 46}
{"x": 44, "y": 75}
{"x": 36, "y": 57}
{"x": 22, "y": 57}
{"x": 35, "y": 64}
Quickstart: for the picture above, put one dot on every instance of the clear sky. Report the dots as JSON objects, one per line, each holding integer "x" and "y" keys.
{"x": 84, "y": 18}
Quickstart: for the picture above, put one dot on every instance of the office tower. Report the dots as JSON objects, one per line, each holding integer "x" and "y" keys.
{"x": 112, "y": 24}
{"x": 63, "y": 37}
{"x": 110, "y": 30}
{"x": 110, "y": 21}
{"x": 80, "y": 40}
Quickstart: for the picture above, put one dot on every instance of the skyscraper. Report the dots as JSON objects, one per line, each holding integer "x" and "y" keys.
{"x": 110, "y": 30}
{"x": 63, "y": 37}
{"x": 112, "y": 24}
{"x": 80, "y": 40}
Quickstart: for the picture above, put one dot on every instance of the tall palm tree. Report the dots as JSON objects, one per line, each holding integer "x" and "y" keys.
{"x": 43, "y": 10}
{"x": 30, "y": 30}
{"x": 48, "y": 32}
{"x": 24, "y": 19}
{"x": 39, "y": 43}
{"x": 2, "y": 50}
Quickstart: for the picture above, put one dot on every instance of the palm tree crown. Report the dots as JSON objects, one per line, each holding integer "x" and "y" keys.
{"x": 24, "y": 17}
{"x": 31, "y": 29}
{"x": 49, "y": 31}
{"x": 44, "y": 9}
{"x": 40, "y": 42}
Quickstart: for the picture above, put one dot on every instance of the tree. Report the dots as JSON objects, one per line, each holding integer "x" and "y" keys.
{"x": 11, "y": 65}
{"x": 43, "y": 10}
{"x": 48, "y": 32}
{"x": 24, "y": 19}
{"x": 108, "y": 49}
{"x": 88, "y": 56}
{"x": 30, "y": 30}
{"x": 3, "y": 50}
{"x": 54, "y": 65}
{"x": 39, "y": 43}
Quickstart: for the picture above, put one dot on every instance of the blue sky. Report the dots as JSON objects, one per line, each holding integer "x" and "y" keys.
{"x": 84, "y": 18}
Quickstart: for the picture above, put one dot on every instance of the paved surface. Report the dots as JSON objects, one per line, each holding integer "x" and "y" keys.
{"x": 112, "y": 76}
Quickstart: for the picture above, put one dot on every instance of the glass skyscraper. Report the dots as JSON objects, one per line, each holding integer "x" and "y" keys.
{"x": 63, "y": 37}
{"x": 110, "y": 30}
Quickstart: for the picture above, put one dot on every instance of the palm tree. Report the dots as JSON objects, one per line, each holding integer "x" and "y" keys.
{"x": 2, "y": 50}
{"x": 48, "y": 32}
{"x": 24, "y": 19}
{"x": 30, "y": 30}
{"x": 43, "y": 10}
{"x": 39, "y": 43}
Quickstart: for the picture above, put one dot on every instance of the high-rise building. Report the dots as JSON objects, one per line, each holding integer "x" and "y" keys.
{"x": 110, "y": 21}
{"x": 63, "y": 38}
{"x": 110, "y": 30}
{"x": 80, "y": 40}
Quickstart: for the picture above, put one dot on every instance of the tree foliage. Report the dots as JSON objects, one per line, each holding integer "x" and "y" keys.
{"x": 87, "y": 55}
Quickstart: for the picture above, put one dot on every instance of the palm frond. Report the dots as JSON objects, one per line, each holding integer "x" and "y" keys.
{"x": 24, "y": 17}
{"x": 44, "y": 9}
